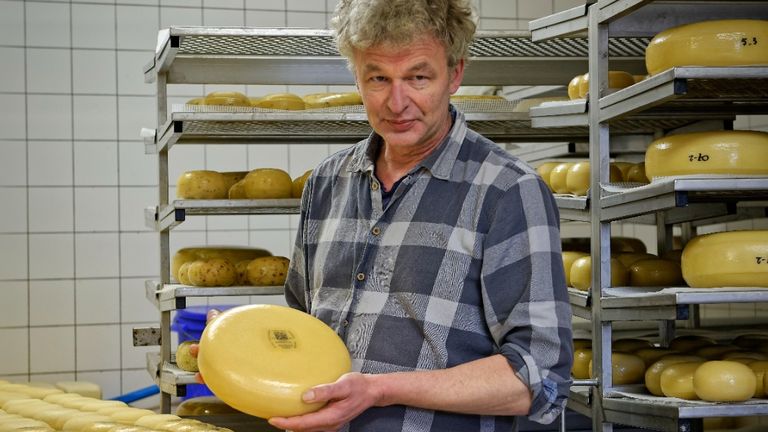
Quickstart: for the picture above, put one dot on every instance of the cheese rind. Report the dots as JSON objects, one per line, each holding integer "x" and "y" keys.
{"x": 735, "y": 259}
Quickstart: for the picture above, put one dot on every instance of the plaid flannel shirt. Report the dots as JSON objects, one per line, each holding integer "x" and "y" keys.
{"x": 464, "y": 262}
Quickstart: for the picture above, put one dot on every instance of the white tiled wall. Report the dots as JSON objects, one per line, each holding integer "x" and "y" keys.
{"x": 74, "y": 178}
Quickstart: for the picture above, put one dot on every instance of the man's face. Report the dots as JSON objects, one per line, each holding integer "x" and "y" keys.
{"x": 406, "y": 91}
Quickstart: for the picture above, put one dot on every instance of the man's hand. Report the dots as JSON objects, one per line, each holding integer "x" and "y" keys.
{"x": 349, "y": 396}
{"x": 194, "y": 349}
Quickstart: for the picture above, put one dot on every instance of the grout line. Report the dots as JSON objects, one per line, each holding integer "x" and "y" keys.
{"x": 26, "y": 139}
{"x": 74, "y": 207}
{"x": 119, "y": 196}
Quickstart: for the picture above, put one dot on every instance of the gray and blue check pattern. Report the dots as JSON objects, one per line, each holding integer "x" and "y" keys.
{"x": 464, "y": 262}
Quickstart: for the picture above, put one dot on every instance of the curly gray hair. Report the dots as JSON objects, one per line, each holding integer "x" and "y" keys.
{"x": 361, "y": 24}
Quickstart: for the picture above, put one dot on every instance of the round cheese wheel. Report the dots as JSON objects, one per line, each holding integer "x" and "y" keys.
{"x": 6, "y": 396}
{"x": 573, "y": 87}
{"x": 264, "y": 183}
{"x": 627, "y": 244}
{"x": 268, "y": 271}
{"x": 104, "y": 426}
{"x": 327, "y": 100}
{"x": 630, "y": 345}
{"x": 237, "y": 190}
{"x": 213, "y": 272}
{"x": 722, "y": 152}
{"x": 623, "y": 168}
{"x": 737, "y": 258}
{"x": 715, "y": 352}
{"x": 653, "y": 373}
{"x": 233, "y": 254}
{"x": 129, "y": 415}
{"x": 686, "y": 343}
{"x": 297, "y": 187}
{"x": 260, "y": 359}
{"x": 281, "y": 101}
{"x": 227, "y": 98}
{"x": 154, "y": 420}
{"x": 651, "y": 355}
{"x": 232, "y": 177}
{"x": 743, "y": 355}
{"x": 709, "y": 43}
{"x": 759, "y": 367}
{"x": 204, "y": 405}
{"x": 582, "y": 359}
{"x": 655, "y": 272}
{"x": 184, "y": 358}
{"x": 545, "y": 169}
{"x": 581, "y": 343}
{"x": 568, "y": 258}
{"x": 617, "y": 80}
{"x": 625, "y": 368}
{"x": 80, "y": 422}
{"x": 676, "y": 380}
{"x": 629, "y": 258}
{"x": 577, "y": 177}
{"x": 750, "y": 340}
{"x": 636, "y": 174}
{"x": 724, "y": 381}
{"x": 581, "y": 273}
{"x": 558, "y": 177}
{"x": 201, "y": 184}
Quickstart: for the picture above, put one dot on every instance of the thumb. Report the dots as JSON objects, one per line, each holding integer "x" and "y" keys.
{"x": 321, "y": 393}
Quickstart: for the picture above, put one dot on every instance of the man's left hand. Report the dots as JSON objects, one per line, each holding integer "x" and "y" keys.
{"x": 349, "y": 396}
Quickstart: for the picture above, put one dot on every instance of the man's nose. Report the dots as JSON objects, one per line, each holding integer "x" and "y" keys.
{"x": 398, "y": 97}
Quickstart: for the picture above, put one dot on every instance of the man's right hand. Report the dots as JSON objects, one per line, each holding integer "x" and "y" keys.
{"x": 195, "y": 348}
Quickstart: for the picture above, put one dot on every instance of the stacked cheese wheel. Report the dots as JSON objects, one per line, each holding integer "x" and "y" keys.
{"x": 709, "y": 43}
{"x": 279, "y": 101}
{"x": 727, "y": 259}
{"x": 578, "y": 87}
{"x": 260, "y": 359}
{"x": 34, "y": 409}
{"x": 215, "y": 267}
{"x": 260, "y": 183}
{"x": 574, "y": 177}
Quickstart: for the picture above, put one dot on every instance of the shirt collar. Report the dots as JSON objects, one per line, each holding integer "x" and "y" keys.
{"x": 439, "y": 162}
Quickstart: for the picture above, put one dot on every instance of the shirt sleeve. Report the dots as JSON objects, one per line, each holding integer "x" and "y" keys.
{"x": 524, "y": 293}
{"x": 296, "y": 283}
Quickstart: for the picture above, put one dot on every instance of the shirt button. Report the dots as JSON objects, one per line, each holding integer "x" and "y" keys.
{"x": 376, "y": 231}
{"x": 375, "y": 185}
{"x": 345, "y": 323}
{"x": 360, "y": 276}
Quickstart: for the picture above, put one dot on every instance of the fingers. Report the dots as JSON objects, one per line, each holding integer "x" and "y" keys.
{"x": 194, "y": 349}
{"x": 211, "y": 315}
{"x": 199, "y": 378}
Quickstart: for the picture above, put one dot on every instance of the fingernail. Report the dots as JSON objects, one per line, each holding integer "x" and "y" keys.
{"x": 309, "y": 396}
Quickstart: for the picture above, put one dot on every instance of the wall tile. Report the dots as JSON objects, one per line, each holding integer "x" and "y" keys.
{"x": 95, "y": 117}
{"x": 261, "y": 18}
{"x": 95, "y": 163}
{"x": 50, "y": 163}
{"x": 52, "y": 349}
{"x": 185, "y": 158}
{"x": 11, "y": 68}
{"x": 139, "y": 255}
{"x": 267, "y": 156}
{"x": 13, "y": 255}
{"x": 50, "y": 116}
{"x": 278, "y": 5}
{"x": 136, "y": 167}
{"x": 278, "y": 242}
{"x": 223, "y": 17}
{"x": 15, "y": 304}
{"x": 130, "y": 79}
{"x": 15, "y": 352}
{"x": 97, "y": 301}
{"x": 180, "y": 16}
{"x": 533, "y": 9}
{"x": 94, "y": 71}
{"x": 137, "y": 27}
{"x": 12, "y": 22}
{"x": 221, "y": 223}
{"x": 51, "y": 256}
{"x": 561, "y": 5}
{"x": 133, "y": 357}
{"x": 51, "y": 209}
{"x": 134, "y": 306}
{"x": 136, "y": 112}
{"x": 139, "y": 2}
{"x": 306, "y": 5}
{"x": 137, "y": 379}
{"x": 97, "y": 255}
{"x": 13, "y": 116}
{"x": 305, "y": 157}
{"x": 498, "y": 9}
{"x": 306, "y": 19}
{"x": 13, "y": 164}
{"x": 133, "y": 201}
{"x": 52, "y": 303}
{"x": 267, "y": 222}
{"x": 229, "y": 238}
{"x": 227, "y": 157}
{"x": 49, "y": 70}
{"x": 47, "y": 24}
{"x": 185, "y": 3}
{"x": 13, "y": 213}
{"x": 98, "y": 347}
{"x": 93, "y": 26}
{"x": 223, "y": 4}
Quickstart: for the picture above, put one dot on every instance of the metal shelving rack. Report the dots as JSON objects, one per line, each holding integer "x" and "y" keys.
{"x": 676, "y": 93}
{"x": 205, "y": 55}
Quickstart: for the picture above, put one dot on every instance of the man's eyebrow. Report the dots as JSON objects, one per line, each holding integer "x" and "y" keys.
{"x": 422, "y": 66}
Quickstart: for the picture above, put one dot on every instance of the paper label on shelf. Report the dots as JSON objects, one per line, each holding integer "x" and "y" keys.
{"x": 655, "y": 291}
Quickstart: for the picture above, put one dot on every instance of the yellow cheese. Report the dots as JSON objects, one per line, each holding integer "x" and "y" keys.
{"x": 577, "y": 177}
{"x": 204, "y": 405}
{"x": 214, "y": 272}
{"x": 568, "y": 258}
{"x": 260, "y": 359}
{"x": 651, "y": 355}
{"x": 83, "y": 388}
{"x": 227, "y": 98}
{"x": 737, "y": 258}
{"x": 636, "y": 174}
{"x": 129, "y": 415}
{"x": 751, "y": 340}
{"x": 709, "y": 43}
{"x": 268, "y": 271}
{"x": 582, "y": 359}
{"x": 280, "y": 101}
{"x": 154, "y": 420}
{"x": 759, "y": 367}
{"x": 196, "y": 101}
{"x": 677, "y": 380}
{"x": 655, "y": 272}
{"x": 234, "y": 255}
{"x": 653, "y": 373}
{"x": 724, "y": 381}
{"x": 97, "y": 404}
{"x": 544, "y": 171}
{"x": 84, "y": 421}
{"x": 573, "y": 87}
{"x": 558, "y": 177}
{"x": 582, "y": 343}
{"x": 297, "y": 187}
{"x": 715, "y": 352}
{"x": 184, "y": 358}
{"x": 6, "y": 396}
{"x": 723, "y": 152}
{"x": 201, "y": 184}
{"x": 104, "y": 426}
{"x": 630, "y": 345}
{"x": 623, "y": 167}
{"x": 617, "y": 80}
{"x": 581, "y": 273}
{"x": 327, "y": 100}
{"x": 237, "y": 190}
{"x": 263, "y": 183}
{"x": 625, "y": 368}
{"x": 627, "y": 244}
{"x": 688, "y": 343}
{"x": 629, "y": 258}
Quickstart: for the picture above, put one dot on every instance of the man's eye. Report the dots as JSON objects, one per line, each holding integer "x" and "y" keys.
{"x": 378, "y": 79}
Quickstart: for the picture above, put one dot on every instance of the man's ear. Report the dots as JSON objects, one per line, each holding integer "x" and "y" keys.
{"x": 456, "y": 76}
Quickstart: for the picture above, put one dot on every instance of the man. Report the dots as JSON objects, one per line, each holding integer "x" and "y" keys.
{"x": 434, "y": 254}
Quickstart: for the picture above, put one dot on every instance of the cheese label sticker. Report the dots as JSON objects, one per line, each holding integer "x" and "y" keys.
{"x": 283, "y": 339}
